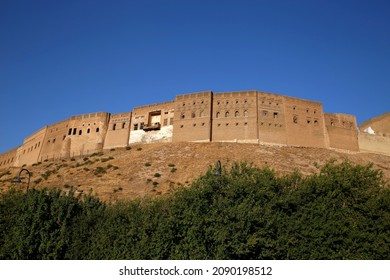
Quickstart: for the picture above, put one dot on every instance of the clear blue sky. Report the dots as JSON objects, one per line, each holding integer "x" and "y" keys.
{"x": 63, "y": 58}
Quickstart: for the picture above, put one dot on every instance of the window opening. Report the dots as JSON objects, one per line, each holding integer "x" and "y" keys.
{"x": 295, "y": 119}
{"x": 97, "y": 129}
{"x": 236, "y": 114}
{"x": 80, "y": 132}
{"x": 227, "y": 114}
{"x": 74, "y": 131}
{"x": 114, "y": 126}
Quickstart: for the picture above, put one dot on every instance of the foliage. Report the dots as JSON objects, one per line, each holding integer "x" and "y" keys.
{"x": 343, "y": 212}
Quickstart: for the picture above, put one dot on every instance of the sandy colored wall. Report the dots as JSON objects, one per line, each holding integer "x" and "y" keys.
{"x": 304, "y": 122}
{"x": 30, "y": 151}
{"x": 8, "y": 158}
{"x": 54, "y": 144}
{"x": 271, "y": 118}
{"x": 234, "y": 117}
{"x": 142, "y": 117}
{"x": 374, "y": 143}
{"x": 380, "y": 124}
{"x": 86, "y": 133}
{"x": 342, "y": 131}
{"x": 192, "y": 119}
{"x": 118, "y": 131}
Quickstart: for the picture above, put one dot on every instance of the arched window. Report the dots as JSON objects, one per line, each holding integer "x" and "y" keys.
{"x": 182, "y": 116}
{"x": 218, "y": 115}
{"x": 227, "y": 114}
{"x": 236, "y": 114}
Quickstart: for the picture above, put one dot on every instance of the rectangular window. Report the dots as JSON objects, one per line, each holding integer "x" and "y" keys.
{"x": 70, "y": 131}
{"x": 275, "y": 115}
{"x": 74, "y": 131}
{"x": 123, "y": 125}
{"x": 136, "y": 126}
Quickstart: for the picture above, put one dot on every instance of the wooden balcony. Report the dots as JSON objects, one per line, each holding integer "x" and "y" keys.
{"x": 155, "y": 126}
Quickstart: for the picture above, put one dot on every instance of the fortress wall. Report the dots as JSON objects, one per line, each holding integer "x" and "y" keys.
{"x": 342, "y": 131}
{"x": 271, "y": 118}
{"x": 8, "y": 158}
{"x": 304, "y": 121}
{"x": 54, "y": 143}
{"x": 192, "y": 118}
{"x": 118, "y": 131}
{"x": 30, "y": 151}
{"x": 380, "y": 124}
{"x": 149, "y": 116}
{"x": 86, "y": 133}
{"x": 374, "y": 143}
{"x": 234, "y": 117}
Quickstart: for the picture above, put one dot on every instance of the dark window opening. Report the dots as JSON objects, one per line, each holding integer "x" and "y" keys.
{"x": 136, "y": 126}
{"x": 123, "y": 125}
{"x": 97, "y": 129}
{"x": 54, "y": 140}
{"x": 88, "y": 130}
{"x": 70, "y": 131}
{"x": 74, "y": 131}
{"x": 63, "y": 138}
{"x": 276, "y": 115}
{"x": 141, "y": 126}
{"x": 114, "y": 126}
{"x": 236, "y": 114}
{"x": 80, "y": 132}
{"x": 295, "y": 119}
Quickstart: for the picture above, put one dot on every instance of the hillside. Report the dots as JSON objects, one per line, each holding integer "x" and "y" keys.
{"x": 155, "y": 169}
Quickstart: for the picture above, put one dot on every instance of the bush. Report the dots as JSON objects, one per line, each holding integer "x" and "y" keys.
{"x": 147, "y": 164}
{"x": 128, "y": 148}
{"x": 246, "y": 213}
{"x": 173, "y": 169}
{"x": 139, "y": 149}
{"x": 157, "y": 175}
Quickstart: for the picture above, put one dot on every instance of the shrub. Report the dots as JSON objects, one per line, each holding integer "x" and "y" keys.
{"x": 113, "y": 149}
{"x": 128, "y": 148}
{"x": 171, "y": 165}
{"x": 173, "y": 170}
{"x": 139, "y": 149}
{"x": 157, "y": 175}
{"x": 147, "y": 164}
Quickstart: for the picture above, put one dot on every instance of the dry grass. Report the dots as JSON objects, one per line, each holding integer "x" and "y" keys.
{"x": 126, "y": 175}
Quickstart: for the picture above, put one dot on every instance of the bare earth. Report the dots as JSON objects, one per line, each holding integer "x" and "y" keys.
{"x": 129, "y": 174}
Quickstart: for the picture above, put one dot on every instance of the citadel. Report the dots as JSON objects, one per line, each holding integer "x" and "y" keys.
{"x": 242, "y": 117}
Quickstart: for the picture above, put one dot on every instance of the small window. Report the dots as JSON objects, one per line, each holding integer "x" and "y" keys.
{"x": 308, "y": 121}
{"x": 219, "y": 125}
{"x": 203, "y": 124}
{"x": 294, "y": 107}
{"x": 218, "y": 103}
{"x": 114, "y": 126}
{"x": 194, "y": 125}
{"x": 227, "y": 124}
{"x": 315, "y": 111}
{"x": 182, "y": 116}
{"x": 141, "y": 126}
{"x": 227, "y": 114}
{"x": 97, "y": 129}
{"x": 184, "y": 104}
{"x": 88, "y": 130}
{"x": 181, "y": 126}
{"x": 237, "y": 114}
{"x": 63, "y": 138}
{"x": 218, "y": 115}
{"x": 54, "y": 140}
{"x": 80, "y": 132}
{"x": 227, "y": 102}
{"x": 74, "y": 131}
{"x": 236, "y": 101}
{"x": 123, "y": 125}
{"x": 307, "y": 110}
{"x": 315, "y": 122}
{"x": 70, "y": 131}
{"x": 245, "y": 101}
{"x": 295, "y": 119}
{"x": 275, "y": 115}
{"x": 236, "y": 123}
{"x": 246, "y": 124}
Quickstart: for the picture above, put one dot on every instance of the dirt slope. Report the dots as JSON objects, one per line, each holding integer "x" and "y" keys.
{"x": 153, "y": 169}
